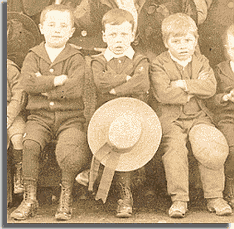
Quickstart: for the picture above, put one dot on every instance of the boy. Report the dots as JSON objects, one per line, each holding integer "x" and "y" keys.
{"x": 15, "y": 122}
{"x": 223, "y": 107}
{"x": 119, "y": 72}
{"x": 53, "y": 76}
{"x": 181, "y": 80}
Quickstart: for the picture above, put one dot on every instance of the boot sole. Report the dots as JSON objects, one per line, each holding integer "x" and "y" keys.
{"x": 26, "y": 217}
{"x": 30, "y": 215}
{"x": 212, "y": 210}
{"x": 123, "y": 215}
{"x": 61, "y": 217}
{"x": 177, "y": 215}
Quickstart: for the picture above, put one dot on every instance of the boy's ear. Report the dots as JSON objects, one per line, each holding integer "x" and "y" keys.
{"x": 103, "y": 36}
{"x": 72, "y": 31}
{"x": 165, "y": 44}
{"x": 133, "y": 37}
{"x": 41, "y": 28}
{"x": 197, "y": 40}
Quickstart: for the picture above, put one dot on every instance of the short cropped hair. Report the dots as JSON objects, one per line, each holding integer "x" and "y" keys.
{"x": 178, "y": 24}
{"x": 229, "y": 32}
{"x": 58, "y": 7}
{"x": 117, "y": 17}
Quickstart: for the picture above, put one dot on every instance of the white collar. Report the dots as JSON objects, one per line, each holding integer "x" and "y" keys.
{"x": 232, "y": 65}
{"x": 128, "y": 53}
{"x": 53, "y": 52}
{"x": 183, "y": 63}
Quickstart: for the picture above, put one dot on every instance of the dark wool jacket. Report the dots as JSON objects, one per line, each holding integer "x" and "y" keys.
{"x": 67, "y": 97}
{"x": 170, "y": 100}
{"x": 109, "y": 75}
{"x": 15, "y": 95}
{"x": 225, "y": 80}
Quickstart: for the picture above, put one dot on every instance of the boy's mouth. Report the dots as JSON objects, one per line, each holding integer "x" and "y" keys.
{"x": 184, "y": 52}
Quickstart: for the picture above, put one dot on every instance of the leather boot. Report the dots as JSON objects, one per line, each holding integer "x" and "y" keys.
{"x": 29, "y": 205}
{"x": 229, "y": 191}
{"x": 18, "y": 179}
{"x": 64, "y": 211}
{"x": 125, "y": 203}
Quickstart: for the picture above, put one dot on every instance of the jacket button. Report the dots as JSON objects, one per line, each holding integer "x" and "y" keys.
{"x": 51, "y": 70}
{"x": 84, "y": 33}
{"x": 51, "y": 103}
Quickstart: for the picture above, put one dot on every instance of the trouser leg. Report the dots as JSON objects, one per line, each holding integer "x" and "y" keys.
{"x": 175, "y": 162}
{"x": 31, "y": 154}
{"x": 227, "y": 128}
{"x": 72, "y": 154}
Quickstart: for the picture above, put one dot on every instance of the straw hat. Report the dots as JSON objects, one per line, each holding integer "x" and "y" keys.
{"x": 130, "y": 128}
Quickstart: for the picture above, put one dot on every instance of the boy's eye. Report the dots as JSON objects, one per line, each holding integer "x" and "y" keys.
{"x": 51, "y": 24}
{"x": 124, "y": 34}
{"x": 175, "y": 41}
{"x": 113, "y": 35}
{"x": 63, "y": 25}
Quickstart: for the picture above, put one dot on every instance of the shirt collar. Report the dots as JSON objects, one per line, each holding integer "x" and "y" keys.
{"x": 183, "y": 63}
{"x": 128, "y": 53}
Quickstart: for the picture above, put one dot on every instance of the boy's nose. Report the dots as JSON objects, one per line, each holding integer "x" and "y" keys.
{"x": 119, "y": 38}
{"x": 57, "y": 29}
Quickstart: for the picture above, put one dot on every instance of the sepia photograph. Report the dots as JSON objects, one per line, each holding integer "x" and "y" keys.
{"x": 119, "y": 112}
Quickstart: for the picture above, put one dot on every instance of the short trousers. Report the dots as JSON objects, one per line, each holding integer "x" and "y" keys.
{"x": 17, "y": 127}
{"x": 44, "y": 126}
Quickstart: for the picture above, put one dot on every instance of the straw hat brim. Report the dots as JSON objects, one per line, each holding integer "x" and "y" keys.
{"x": 148, "y": 143}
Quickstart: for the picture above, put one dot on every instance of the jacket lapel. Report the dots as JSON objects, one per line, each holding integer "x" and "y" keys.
{"x": 41, "y": 52}
{"x": 171, "y": 68}
{"x": 226, "y": 69}
{"x": 196, "y": 67}
{"x": 65, "y": 54}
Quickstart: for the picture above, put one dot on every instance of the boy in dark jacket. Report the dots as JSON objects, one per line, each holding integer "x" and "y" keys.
{"x": 15, "y": 121}
{"x": 120, "y": 72}
{"x": 223, "y": 107}
{"x": 53, "y": 77}
{"x": 181, "y": 80}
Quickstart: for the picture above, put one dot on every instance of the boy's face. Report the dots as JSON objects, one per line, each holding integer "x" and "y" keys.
{"x": 118, "y": 37}
{"x": 230, "y": 47}
{"x": 57, "y": 28}
{"x": 182, "y": 47}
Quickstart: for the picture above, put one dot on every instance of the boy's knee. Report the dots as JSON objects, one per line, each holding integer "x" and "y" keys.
{"x": 209, "y": 146}
{"x": 31, "y": 146}
{"x": 17, "y": 141}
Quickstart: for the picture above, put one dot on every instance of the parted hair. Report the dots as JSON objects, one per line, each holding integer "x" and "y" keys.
{"x": 57, "y": 7}
{"x": 117, "y": 17}
{"x": 178, "y": 24}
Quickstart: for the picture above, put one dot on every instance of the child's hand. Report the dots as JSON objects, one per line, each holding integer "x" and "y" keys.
{"x": 179, "y": 84}
{"x": 189, "y": 97}
{"x": 128, "y": 78}
{"x": 203, "y": 76}
{"x": 112, "y": 91}
{"x": 229, "y": 96}
{"x": 45, "y": 94}
{"x": 38, "y": 74}
{"x": 60, "y": 80}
